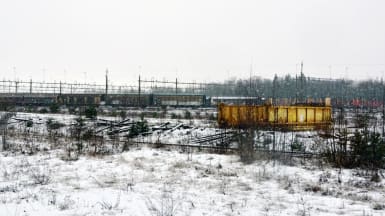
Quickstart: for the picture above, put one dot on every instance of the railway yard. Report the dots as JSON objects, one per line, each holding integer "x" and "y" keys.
{"x": 192, "y": 108}
{"x": 78, "y": 151}
{"x": 170, "y": 161}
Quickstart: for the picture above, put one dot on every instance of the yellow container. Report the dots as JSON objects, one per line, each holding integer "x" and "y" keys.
{"x": 293, "y": 117}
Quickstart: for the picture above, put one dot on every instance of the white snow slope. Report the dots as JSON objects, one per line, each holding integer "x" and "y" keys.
{"x": 161, "y": 182}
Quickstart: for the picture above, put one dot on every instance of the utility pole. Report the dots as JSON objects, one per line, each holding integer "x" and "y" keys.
{"x": 301, "y": 84}
{"x": 176, "y": 91}
{"x": 296, "y": 89}
{"x": 383, "y": 106}
{"x": 106, "y": 84}
{"x": 251, "y": 71}
{"x": 30, "y": 86}
{"x": 139, "y": 92}
{"x": 60, "y": 90}
{"x": 16, "y": 85}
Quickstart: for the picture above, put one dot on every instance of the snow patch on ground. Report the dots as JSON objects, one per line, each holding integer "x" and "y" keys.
{"x": 166, "y": 182}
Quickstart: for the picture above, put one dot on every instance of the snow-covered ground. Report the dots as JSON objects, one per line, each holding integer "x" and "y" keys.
{"x": 149, "y": 181}
{"x": 197, "y": 128}
{"x": 166, "y": 182}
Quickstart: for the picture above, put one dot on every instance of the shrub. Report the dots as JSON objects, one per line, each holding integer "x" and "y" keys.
{"x": 40, "y": 176}
{"x": 138, "y": 128}
{"x": 297, "y": 146}
{"x": 211, "y": 117}
{"x": 43, "y": 110}
{"x": 246, "y": 147}
{"x": 54, "y": 108}
{"x": 141, "y": 115}
{"x": 53, "y": 125}
{"x": 88, "y": 134}
{"x": 368, "y": 149}
{"x": 72, "y": 110}
{"x": 114, "y": 113}
{"x": 378, "y": 206}
{"x": 91, "y": 112}
{"x": 164, "y": 112}
{"x": 187, "y": 114}
{"x": 29, "y": 123}
{"x": 174, "y": 116}
{"x": 123, "y": 114}
{"x": 66, "y": 204}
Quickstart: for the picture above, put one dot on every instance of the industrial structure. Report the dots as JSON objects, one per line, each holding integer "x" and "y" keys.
{"x": 290, "y": 117}
{"x": 28, "y": 93}
{"x": 124, "y": 100}
{"x": 192, "y": 94}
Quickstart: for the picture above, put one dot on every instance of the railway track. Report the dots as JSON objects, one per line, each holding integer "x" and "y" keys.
{"x": 184, "y": 147}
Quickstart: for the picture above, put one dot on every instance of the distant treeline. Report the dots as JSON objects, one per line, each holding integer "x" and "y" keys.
{"x": 300, "y": 87}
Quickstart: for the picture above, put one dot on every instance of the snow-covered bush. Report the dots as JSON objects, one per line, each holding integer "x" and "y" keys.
{"x": 40, "y": 176}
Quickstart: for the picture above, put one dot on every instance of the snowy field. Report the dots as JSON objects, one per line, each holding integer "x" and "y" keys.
{"x": 166, "y": 182}
{"x": 163, "y": 181}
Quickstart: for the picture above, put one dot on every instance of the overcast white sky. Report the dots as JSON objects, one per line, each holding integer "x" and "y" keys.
{"x": 193, "y": 40}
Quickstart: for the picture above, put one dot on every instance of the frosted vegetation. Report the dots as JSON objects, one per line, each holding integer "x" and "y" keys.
{"x": 147, "y": 181}
{"x": 58, "y": 164}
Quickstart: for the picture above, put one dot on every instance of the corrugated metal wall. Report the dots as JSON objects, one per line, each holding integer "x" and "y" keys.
{"x": 292, "y": 117}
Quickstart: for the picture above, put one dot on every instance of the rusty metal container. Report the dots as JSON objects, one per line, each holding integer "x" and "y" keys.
{"x": 293, "y": 117}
